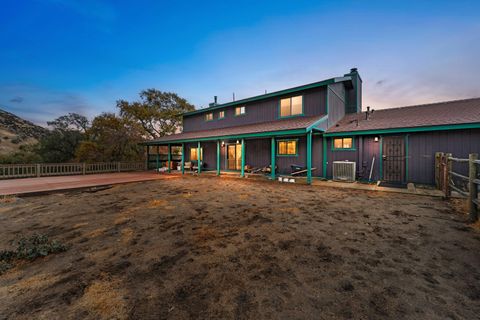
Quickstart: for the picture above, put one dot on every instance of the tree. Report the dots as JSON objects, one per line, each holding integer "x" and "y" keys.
{"x": 158, "y": 113}
{"x": 60, "y": 144}
{"x": 111, "y": 138}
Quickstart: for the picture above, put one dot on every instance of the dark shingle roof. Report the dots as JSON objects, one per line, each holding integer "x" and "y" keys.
{"x": 433, "y": 114}
{"x": 279, "y": 125}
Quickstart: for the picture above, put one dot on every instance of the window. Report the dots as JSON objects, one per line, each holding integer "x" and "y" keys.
{"x": 193, "y": 154}
{"x": 287, "y": 148}
{"x": 343, "y": 143}
{"x": 209, "y": 116}
{"x": 221, "y": 115}
{"x": 239, "y": 111}
{"x": 292, "y": 106}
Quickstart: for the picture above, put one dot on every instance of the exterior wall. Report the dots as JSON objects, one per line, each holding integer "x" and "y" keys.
{"x": 336, "y": 103}
{"x": 258, "y": 154}
{"x": 423, "y": 146}
{"x": 314, "y": 103}
{"x": 420, "y": 161}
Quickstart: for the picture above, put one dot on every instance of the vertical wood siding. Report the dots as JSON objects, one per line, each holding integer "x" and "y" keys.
{"x": 336, "y": 103}
{"x": 256, "y": 112}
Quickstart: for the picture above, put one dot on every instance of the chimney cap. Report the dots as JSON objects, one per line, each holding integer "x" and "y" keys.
{"x": 352, "y": 70}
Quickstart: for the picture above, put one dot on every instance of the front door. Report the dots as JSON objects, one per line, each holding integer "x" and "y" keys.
{"x": 394, "y": 159}
{"x": 234, "y": 156}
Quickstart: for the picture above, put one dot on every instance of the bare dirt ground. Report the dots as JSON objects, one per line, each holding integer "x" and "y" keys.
{"x": 198, "y": 248}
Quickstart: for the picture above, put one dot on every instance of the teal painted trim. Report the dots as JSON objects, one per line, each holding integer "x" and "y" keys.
{"x": 242, "y": 170}
{"x": 406, "y": 157}
{"x": 287, "y": 155}
{"x": 381, "y": 158}
{"x": 325, "y": 157}
{"x": 353, "y": 148}
{"x": 199, "y": 158}
{"x": 309, "y": 157}
{"x": 169, "y": 158}
{"x": 273, "y": 153}
{"x": 405, "y": 130}
{"x": 316, "y": 123}
{"x": 218, "y": 157}
{"x": 292, "y": 115}
{"x": 273, "y": 94}
{"x": 183, "y": 158}
{"x": 247, "y": 135}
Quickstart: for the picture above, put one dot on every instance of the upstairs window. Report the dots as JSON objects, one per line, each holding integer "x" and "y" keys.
{"x": 221, "y": 115}
{"x": 292, "y": 106}
{"x": 209, "y": 116}
{"x": 239, "y": 111}
{"x": 287, "y": 148}
{"x": 343, "y": 144}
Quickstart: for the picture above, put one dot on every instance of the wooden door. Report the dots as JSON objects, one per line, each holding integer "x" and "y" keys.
{"x": 394, "y": 159}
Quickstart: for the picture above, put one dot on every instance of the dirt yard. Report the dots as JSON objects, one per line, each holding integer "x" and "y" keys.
{"x": 198, "y": 248}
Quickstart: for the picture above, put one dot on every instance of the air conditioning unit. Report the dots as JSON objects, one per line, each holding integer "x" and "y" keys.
{"x": 344, "y": 171}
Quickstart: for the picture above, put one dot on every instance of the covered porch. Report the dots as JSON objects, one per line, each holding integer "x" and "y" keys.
{"x": 294, "y": 152}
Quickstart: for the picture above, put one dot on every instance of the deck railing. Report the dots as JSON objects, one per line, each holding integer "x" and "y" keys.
{"x": 13, "y": 171}
{"x": 466, "y": 185}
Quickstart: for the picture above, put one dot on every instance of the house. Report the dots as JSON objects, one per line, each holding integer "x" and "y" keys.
{"x": 312, "y": 126}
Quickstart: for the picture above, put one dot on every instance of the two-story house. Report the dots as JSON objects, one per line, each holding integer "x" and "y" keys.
{"x": 309, "y": 127}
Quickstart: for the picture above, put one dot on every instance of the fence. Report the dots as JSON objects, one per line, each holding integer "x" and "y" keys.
{"x": 447, "y": 179}
{"x": 12, "y": 171}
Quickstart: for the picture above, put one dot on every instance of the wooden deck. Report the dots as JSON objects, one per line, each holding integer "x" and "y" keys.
{"x": 48, "y": 184}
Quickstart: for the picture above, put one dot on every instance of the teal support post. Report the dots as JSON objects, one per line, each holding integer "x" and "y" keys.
{"x": 199, "y": 158}
{"x": 242, "y": 171}
{"x": 325, "y": 155}
{"x": 158, "y": 157}
{"x": 218, "y": 157}
{"x": 183, "y": 158}
{"x": 309, "y": 157}
{"x": 273, "y": 159}
{"x": 169, "y": 158}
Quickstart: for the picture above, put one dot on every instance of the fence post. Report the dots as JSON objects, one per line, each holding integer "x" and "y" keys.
{"x": 118, "y": 166}
{"x": 447, "y": 168}
{"x": 39, "y": 168}
{"x": 473, "y": 188}
{"x": 438, "y": 172}
{"x": 84, "y": 168}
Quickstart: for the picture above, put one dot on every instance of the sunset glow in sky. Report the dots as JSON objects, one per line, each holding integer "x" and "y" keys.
{"x": 61, "y": 56}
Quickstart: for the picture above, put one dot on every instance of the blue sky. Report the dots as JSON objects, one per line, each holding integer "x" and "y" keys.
{"x": 60, "y": 56}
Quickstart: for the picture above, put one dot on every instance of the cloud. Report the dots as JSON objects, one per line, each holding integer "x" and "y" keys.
{"x": 39, "y": 104}
{"x": 17, "y": 100}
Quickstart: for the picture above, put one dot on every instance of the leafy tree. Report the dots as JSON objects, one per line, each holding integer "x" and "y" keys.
{"x": 111, "y": 138}
{"x": 71, "y": 121}
{"x": 60, "y": 145}
{"x": 158, "y": 113}
{"x": 26, "y": 154}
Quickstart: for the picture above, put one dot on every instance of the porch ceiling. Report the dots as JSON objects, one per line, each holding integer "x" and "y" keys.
{"x": 297, "y": 125}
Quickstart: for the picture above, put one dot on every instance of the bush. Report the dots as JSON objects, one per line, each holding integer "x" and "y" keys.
{"x": 29, "y": 249}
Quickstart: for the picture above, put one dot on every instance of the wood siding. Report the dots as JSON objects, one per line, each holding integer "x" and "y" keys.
{"x": 314, "y": 103}
{"x": 336, "y": 103}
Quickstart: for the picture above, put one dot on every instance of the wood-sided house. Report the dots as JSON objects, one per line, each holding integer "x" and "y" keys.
{"x": 314, "y": 125}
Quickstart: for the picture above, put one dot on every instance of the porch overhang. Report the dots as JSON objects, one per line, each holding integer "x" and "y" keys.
{"x": 290, "y": 127}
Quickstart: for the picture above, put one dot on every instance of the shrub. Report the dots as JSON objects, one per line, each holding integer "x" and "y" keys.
{"x": 29, "y": 248}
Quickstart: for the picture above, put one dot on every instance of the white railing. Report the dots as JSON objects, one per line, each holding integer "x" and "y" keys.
{"x": 12, "y": 171}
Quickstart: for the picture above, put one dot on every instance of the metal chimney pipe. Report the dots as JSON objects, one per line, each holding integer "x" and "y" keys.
{"x": 215, "y": 99}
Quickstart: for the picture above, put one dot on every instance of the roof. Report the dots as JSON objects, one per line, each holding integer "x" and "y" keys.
{"x": 272, "y": 94}
{"x": 287, "y": 126}
{"x": 458, "y": 112}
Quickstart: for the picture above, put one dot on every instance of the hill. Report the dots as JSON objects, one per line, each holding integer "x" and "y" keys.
{"x": 15, "y": 132}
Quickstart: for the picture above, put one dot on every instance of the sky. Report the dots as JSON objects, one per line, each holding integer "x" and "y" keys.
{"x": 61, "y": 56}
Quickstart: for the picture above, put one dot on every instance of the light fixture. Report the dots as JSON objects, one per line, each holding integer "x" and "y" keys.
{"x": 223, "y": 143}
{"x": 376, "y": 139}
{"x": 238, "y": 142}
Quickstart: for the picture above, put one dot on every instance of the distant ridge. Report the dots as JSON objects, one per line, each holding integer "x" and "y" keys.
{"x": 15, "y": 132}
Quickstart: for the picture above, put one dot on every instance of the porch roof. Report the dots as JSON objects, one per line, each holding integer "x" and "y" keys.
{"x": 297, "y": 125}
